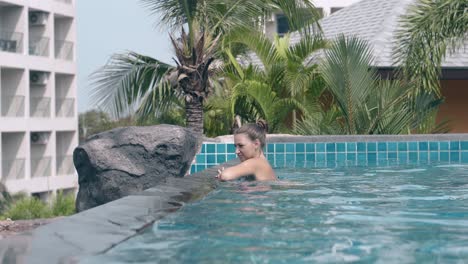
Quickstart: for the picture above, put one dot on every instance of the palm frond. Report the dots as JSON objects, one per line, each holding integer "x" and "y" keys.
{"x": 172, "y": 13}
{"x": 214, "y": 17}
{"x": 218, "y": 118}
{"x": 347, "y": 74}
{"x": 320, "y": 123}
{"x": 301, "y": 14}
{"x": 388, "y": 113}
{"x": 265, "y": 103}
{"x": 299, "y": 78}
{"x": 243, "y": 105}
{"x": 259, "y": 44}
{"x": 428, "y": 30}
{"x": 158, "y": 101}
{"x": 121, "y": 84}
{"x": 424, "y": 107}
{"x": 224, "y": 15}
{"x": 307, "y": 45}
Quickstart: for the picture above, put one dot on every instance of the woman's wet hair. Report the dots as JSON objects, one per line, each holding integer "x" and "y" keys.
{"x": 255, "y": 131}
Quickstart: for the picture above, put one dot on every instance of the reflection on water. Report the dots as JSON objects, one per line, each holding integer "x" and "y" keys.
{"x": 369, "y": 215}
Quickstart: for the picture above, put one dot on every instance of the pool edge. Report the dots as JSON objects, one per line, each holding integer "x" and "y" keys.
{"x": 95, "y": 231}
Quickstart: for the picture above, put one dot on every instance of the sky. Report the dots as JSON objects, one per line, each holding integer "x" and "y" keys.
{"x": 106, "y": 27}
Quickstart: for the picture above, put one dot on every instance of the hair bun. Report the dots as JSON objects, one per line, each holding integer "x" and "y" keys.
{"x": 262, "y": 124}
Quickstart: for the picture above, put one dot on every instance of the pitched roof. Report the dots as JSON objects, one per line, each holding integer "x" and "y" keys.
{"x": 376, "y": 21}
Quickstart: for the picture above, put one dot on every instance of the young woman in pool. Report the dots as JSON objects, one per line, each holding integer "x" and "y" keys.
{"x": 249, "y": 140}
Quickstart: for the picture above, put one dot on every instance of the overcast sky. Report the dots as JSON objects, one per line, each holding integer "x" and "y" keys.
{"x": 105, "y": 27}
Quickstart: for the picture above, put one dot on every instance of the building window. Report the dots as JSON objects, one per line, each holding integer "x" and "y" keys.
{"x": 335, "y": 9}
{"x": 282, "y": 25}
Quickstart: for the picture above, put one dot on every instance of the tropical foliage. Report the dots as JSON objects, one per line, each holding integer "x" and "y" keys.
{"x": 283, "y": 87}
{"x": 135, "y": 83}
{"x": 429, "y": 31}
{"x": 363, "y": 103}
{"x": 290, "y": 88}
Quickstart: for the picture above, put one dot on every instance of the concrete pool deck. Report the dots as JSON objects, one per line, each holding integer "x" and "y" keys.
{"x": 96, "y": 230}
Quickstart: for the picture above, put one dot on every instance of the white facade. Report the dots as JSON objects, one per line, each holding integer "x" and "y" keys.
{"x": 38, "y": 118}
{"x": 326, "y": 7}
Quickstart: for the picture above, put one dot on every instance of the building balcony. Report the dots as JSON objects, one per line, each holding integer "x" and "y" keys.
{"x": 41, "y": 167}
{"x": 13, "y": 106}
{"x": 65, "y": 107}
{"x": 39, "y": 46}
{"x": 64, "y": 50}
{"x": 13, "y": 169}
{"x": 65, "y": 165}
{"x": 11, "y": 41}
{"x": 39, "y": 107}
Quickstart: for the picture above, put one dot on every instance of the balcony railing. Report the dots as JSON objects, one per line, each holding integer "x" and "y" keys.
{"x": 41, "y": 167}
{"x": 63, "y": 50}
{"x": 39, "y": 106}
{"x": 11, "y": 41}
{"x": 65, "y": 165}
{"x": 65, "y": 1}
{"x": 13, "y": 106}
{"x": 65, "y": 107}
{"x": 39, "y": 46}
{"x": 13, "y": 169}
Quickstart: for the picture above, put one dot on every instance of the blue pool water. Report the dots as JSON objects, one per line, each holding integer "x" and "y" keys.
{"x": 404, "y": 214}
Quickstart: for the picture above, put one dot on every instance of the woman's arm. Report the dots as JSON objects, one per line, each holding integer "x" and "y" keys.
{"x": 245, "y": 168}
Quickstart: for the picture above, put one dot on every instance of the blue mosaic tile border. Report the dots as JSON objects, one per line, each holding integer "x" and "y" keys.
{"x": 326, "y": 154}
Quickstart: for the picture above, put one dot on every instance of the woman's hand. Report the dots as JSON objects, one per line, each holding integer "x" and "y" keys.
{"x": 219, "y": 176}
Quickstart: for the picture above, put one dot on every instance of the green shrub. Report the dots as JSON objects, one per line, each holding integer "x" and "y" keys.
{"x": 28, "y": 208}
{"x": 8, "y": 201}
{"x": 21, "y": 207}
{"x": 4, "y": 202}
{"x": 5, "y": 198}
{"x": 63, "y": 204}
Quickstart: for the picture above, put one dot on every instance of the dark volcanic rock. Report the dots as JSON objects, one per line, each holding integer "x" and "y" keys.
{"x": 127, "y": 160}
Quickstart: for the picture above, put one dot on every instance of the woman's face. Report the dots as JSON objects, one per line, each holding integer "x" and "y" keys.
{"x": 245, "y": 147}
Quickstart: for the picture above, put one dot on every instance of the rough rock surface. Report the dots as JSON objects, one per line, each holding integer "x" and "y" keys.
{"x": 124, "y": 161}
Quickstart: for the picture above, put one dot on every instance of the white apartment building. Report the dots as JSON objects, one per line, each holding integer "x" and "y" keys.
{"x": 38, "y": 118}
{"x": 278, "y": 23}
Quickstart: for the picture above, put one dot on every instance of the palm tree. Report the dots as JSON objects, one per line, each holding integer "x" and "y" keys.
{"x": 285, "y": 69}
{"x": 430, "y": 29}
{"x": 252, "y": 100}
{"x": 362, "y": 102}
{"x": 249, "y": 98}
{"x": 136, "y": 83}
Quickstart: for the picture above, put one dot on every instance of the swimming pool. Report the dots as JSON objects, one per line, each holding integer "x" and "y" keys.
{"x": 406, "y": 213}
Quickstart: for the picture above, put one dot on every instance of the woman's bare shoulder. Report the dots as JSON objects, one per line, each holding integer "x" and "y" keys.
{"x": 264, "y": 171}
{"x": 257, "y": 162}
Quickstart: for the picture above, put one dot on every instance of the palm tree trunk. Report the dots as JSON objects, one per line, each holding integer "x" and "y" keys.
{"x": 194, "y": 115}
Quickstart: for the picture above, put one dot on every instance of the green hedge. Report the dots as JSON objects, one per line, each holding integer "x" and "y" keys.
{"x": 31, "y": 208}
